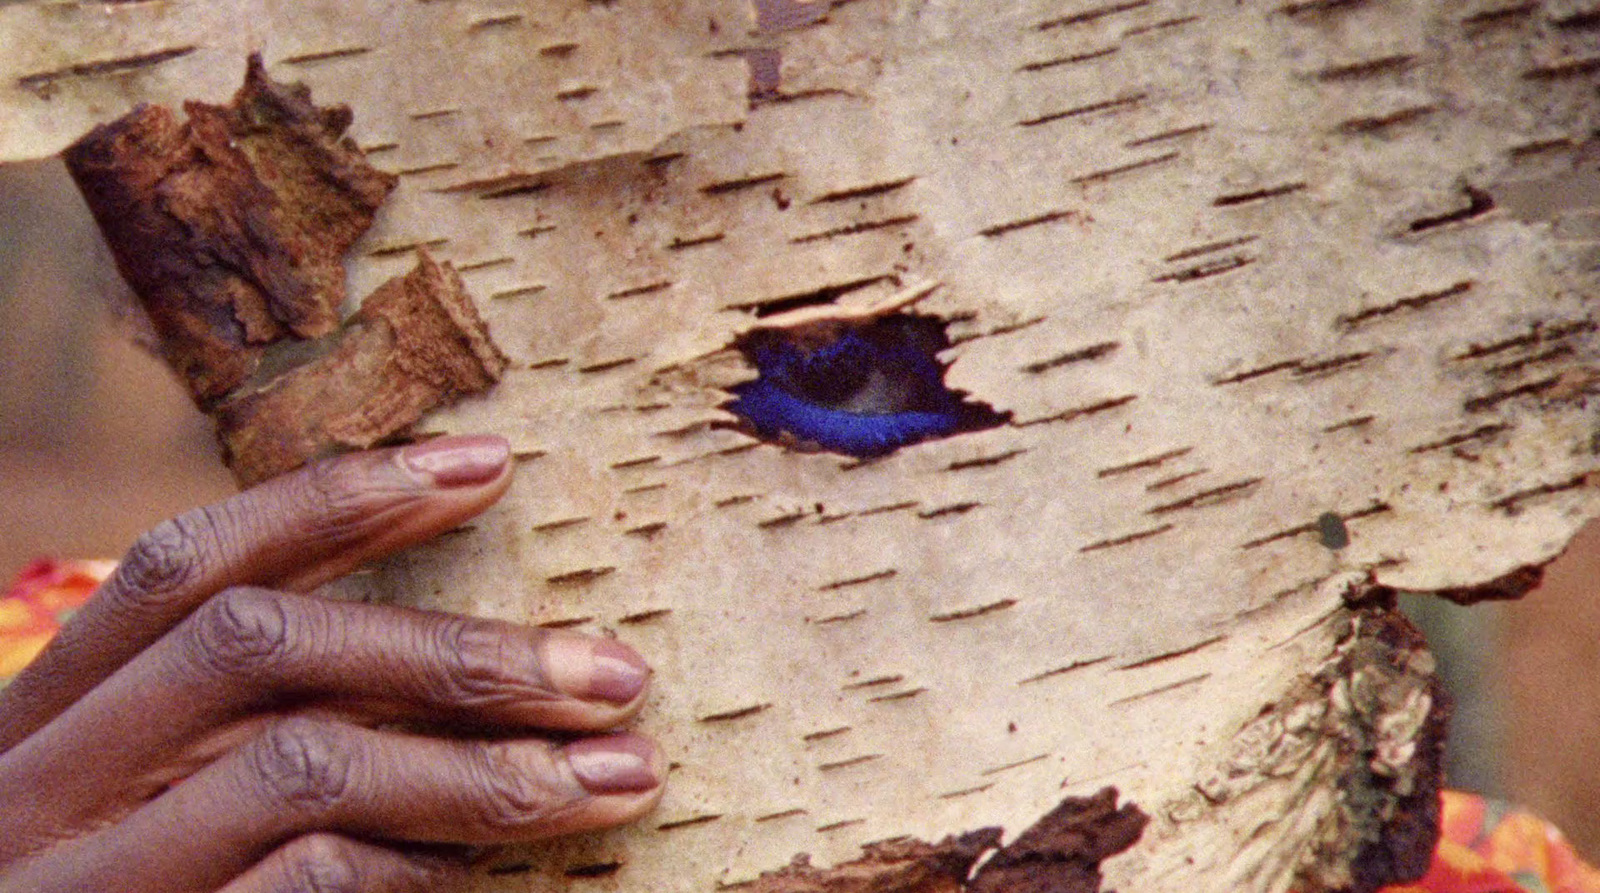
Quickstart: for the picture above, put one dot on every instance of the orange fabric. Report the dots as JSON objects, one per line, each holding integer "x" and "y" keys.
{"x": 1484, "y": 846}
{"x": 42, "y": 597}
{"x": 1488, "y": 847}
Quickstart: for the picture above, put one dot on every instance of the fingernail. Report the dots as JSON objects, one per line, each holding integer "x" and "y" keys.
{"x": 595, "y": 669}
{"x": 616, "y": 764}
{"x": 458, "y": 461}
{"x": 620, "y": 674}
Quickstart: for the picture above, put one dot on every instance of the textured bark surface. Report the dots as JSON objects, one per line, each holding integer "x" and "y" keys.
{"x": 1288, "y": 302}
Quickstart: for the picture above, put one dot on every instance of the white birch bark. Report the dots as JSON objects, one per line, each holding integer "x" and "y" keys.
{"x": 1338, "y": 257}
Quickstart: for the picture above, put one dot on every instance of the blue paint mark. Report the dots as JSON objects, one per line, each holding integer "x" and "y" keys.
{"x": 863, "y": 391}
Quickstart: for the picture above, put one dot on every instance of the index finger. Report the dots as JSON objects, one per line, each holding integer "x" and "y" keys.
{"x": 293, "y": 532}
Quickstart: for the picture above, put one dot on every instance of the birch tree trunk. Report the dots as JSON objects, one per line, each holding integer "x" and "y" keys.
{"x": 1287, "y": 306}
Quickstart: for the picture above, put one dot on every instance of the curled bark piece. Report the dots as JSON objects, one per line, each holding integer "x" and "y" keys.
{"x": 1062, "y": 852}
{"x": 231, "y": 227}
{"x": 416, "y": 343}
{"x": 895, "y": 866}
{"x": 1371, "y": 724}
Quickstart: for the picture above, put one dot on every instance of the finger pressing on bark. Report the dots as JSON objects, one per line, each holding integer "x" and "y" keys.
{"x": 304, "y": 776}
{"x": 249, "y": 654}
{"x": 329, "y": 863}
{"x": 296, "y": 532}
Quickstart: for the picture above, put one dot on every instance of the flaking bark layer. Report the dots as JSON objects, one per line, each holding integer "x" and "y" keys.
{"x": 1061, "y": 853}
{"x": 897, "y": 866}
{"x": 231, "y": 226}
{"x": 416, "y": 342}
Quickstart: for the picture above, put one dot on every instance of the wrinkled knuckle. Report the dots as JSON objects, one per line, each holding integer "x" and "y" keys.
{"x": 476, "y": 664}
{"x": 303, "y": 764}
{"x": 164, "y": 561}
{"x": 322, "y": 863}
{"x": 339, "y": 493}
{"x": 240, "y": 633}
{"x": 512, "y": 789}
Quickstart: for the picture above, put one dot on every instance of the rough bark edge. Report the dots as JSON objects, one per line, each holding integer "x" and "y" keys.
{"x": 231, "y": 226}
{"x": 1061, "y": 853}
{"x": 417, "y": 343}
{"x": 1361, "y": 741}
{"x": 1402, "y": 845}
{"x": 1506, "y": 587}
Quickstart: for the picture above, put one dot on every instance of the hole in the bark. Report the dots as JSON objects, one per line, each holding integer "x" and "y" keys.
{"x": 862, "y": 388}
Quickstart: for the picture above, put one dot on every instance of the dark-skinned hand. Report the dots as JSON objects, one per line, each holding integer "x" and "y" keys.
{"x": 203, "y": 724}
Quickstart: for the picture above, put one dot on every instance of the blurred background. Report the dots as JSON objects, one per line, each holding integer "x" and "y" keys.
{"x": 98, "y": 442}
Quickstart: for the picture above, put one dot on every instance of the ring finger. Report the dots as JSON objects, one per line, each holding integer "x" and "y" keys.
{"x": 305, "y": 776}
{"x": 329, "y": 863}
{"x": 251, "y": 653}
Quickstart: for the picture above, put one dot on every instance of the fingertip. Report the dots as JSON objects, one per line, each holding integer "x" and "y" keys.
{"x": 363, "y": 506}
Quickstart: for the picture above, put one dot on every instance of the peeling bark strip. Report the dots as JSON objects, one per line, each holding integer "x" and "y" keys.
{"x": 416, "y": 343}
{"x": 896, "y": 866}
{"x": 1372, "y": 720}
{"x": 231, "y": 227}
{"x": 1407, "y": 712}
{"x": 1061, "y": 853}
{"x": 1507, "y": 587}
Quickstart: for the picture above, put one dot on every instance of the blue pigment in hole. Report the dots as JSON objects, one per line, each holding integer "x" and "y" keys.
{"x": 859, "y": 388}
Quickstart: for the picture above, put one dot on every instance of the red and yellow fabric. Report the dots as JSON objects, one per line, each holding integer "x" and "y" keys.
{"x": 1484, "y": 846}
{"x": 42, "y": 597}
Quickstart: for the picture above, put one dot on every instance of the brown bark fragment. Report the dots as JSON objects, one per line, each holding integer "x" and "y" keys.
{"x": 1402, "y": 846}
{"x": 1062, "y": 852}
{"x": 896, "y": 866}
{"x": 231, "y": 227}
{"x": 416, "y": 343}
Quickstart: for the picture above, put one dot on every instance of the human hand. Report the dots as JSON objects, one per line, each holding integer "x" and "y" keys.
{"x": 203, "y": 725}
